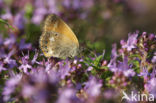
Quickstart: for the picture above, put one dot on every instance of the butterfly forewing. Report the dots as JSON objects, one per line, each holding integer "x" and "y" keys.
{"x": 57, "y": 39}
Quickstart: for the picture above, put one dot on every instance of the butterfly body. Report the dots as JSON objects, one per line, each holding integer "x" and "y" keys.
{"x": 57, "y": 39}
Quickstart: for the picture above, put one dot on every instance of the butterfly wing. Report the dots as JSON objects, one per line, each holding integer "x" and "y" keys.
{"x": 57, "y": 39}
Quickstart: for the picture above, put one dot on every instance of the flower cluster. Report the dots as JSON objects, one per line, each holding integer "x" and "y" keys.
{"x": 40, "y": 8}
{"x": 29, "y": 76}
{"x": 26, "y": 76}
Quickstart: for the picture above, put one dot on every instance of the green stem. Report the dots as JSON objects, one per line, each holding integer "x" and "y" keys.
{"x": 4, "y": 22}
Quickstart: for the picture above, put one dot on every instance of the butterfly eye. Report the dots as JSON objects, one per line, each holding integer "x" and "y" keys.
{"x": 55, "y": 34}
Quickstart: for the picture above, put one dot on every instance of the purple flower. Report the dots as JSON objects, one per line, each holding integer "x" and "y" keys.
{"x": 87, "y": 4}
{"x": 121, "y": 66}
{"x": 10, "y": 86}
{"x": 110, "y": 94}
{"x": 33, "y": 61}
{"x": 153, "y": 74}
{"x": 122, "y": 42}
{"x": 68, "y": 95}
{"x": 19, "y": 20}
{"x": 76, "y": 4}
{"x": 1, "y": 39}
{"x": 25, "y": 66}
{"x": 2, "y": 53}
{"x": 114, "y": 54}
{"x": 66, "y": 3}
{"x": 144, "y": 72}
{"x": 129, "y": 73}
{"x": 53, "y": 76}
{"x": 41, "y": 96}
{"x": 39, "y": 76}
{"x": 75, "y": 61}
{"x": 39, "y": 86}
{"x": 125, "y": 68}
{"x": 89, "y": 68}
{"x": 40, "y": 12}
{"x": 151, "y": 86}
{"x": 92, "y": 87}
{"x": 78, "y": 86}
{"x": 52, "y": 4}
{"x": 64, "y": 69}
{"x": 131, "y": 42}
{"x": 1, "y": 4}
{"x": 10, "y": 41}
{"x": 72, "y": 4}
{"x": 11, "y": 62}
{"x": 28, "y": 91}
{"x": 154, "y": 58}
{"x": 2, "y": 66}
{"x": 48, "y": 65}
{"x": 151, "y": 36}
{"x": 112, "y": 64}
{"x": 73, "y": 68}
{"x": 23, "y": 45}
{"x": 7, "y": 15}
{"x": 38, "y": 15}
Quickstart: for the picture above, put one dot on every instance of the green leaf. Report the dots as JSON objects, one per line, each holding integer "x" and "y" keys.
{"x": 97, "y": 60}
{"x": 104, "y": 67}
{"x": 4, "y": 22}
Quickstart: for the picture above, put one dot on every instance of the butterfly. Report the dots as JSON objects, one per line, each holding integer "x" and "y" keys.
{"x": 57, "y": 39}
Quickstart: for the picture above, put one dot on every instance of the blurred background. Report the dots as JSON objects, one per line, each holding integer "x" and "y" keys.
{"x": 96, "y": 23}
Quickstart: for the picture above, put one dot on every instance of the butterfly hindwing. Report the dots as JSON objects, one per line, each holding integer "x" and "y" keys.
{"x": 57, "y": 39}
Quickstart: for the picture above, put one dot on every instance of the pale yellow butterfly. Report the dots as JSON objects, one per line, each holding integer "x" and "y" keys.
{"x": 57, "y": 39}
